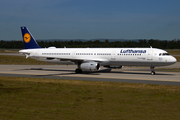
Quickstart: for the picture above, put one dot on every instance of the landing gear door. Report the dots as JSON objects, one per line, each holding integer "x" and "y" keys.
{"x": 150, "y": 54}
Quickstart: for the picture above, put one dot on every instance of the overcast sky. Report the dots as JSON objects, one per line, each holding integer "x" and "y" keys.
{"x": 91, "y": 19}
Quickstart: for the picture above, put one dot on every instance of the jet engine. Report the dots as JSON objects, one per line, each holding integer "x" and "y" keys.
{"x": 90, "y": 66}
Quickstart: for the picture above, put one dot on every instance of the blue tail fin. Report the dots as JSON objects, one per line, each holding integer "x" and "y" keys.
{"x": 28, "y": 39}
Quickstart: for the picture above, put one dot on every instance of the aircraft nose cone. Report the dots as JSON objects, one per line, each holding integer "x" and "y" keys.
{"x": 173, "y": 59}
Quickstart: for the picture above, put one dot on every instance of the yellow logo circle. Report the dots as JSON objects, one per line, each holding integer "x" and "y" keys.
{"x": 27, "y": 37}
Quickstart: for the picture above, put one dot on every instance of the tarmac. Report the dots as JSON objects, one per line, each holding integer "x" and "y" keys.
{"x": 126, "y": 74}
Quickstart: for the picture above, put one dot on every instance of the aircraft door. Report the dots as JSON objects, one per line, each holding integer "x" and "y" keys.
{"x": 35, "y": 55}
{"x": 150, "y": 54}
{"x": 113, "y": 55}
{"x": 74, "y": 54}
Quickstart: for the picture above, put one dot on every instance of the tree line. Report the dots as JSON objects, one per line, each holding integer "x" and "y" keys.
{"x": 162, "y": 44}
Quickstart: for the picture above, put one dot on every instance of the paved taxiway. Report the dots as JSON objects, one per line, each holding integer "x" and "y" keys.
{"x": 127, "y": 74}
{"x": 12, "y": 54}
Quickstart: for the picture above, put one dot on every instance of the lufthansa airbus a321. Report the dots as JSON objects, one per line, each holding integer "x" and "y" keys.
{"x": 91, "y": 59}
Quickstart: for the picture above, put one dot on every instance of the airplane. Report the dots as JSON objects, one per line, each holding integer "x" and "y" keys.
{"x": 91, "y": 59}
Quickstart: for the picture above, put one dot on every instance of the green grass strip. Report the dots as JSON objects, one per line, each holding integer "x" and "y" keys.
{"x": 33, "y": 98}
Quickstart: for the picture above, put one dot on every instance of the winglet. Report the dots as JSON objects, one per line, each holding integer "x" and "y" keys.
{"x": 28, "y": 39}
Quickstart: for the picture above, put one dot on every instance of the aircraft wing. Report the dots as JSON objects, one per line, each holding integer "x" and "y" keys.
{"x": 82, "y": 60}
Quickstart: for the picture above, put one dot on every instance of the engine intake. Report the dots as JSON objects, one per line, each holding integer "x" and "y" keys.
{"x": 90, "y": 66}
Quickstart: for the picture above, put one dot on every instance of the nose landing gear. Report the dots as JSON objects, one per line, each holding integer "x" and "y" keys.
{"x": 152, "y": 70}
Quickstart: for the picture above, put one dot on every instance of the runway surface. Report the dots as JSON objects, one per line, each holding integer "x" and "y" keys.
{"x": 127, "y": 74}
{"x": 12, "y": 54}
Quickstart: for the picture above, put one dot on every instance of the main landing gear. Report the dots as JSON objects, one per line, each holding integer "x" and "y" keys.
{"x": 78, "y": 71}
{"x": 152, "y": 70}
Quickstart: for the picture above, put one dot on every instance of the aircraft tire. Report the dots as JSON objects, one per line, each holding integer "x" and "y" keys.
{"x": 77, "y": 71}
{"x": 153, "y": 73}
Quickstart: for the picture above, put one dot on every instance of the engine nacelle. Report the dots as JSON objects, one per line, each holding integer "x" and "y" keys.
{"x": 90, "y": 66}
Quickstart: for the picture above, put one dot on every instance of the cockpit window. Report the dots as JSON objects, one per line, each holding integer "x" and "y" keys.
{"x": 163, "y": 54}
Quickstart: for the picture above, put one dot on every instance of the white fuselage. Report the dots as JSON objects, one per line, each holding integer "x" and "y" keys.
{"x": 104, "y": 56}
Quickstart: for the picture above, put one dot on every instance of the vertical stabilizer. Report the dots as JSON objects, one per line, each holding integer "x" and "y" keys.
{"x": 28, "y": 39}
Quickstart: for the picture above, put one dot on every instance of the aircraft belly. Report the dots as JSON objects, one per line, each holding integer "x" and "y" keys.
{"x": 138, "y": 63}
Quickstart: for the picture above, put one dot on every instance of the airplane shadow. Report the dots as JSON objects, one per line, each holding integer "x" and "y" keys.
{"x": 139, "y": 73}
{"x": 72, "y": 72}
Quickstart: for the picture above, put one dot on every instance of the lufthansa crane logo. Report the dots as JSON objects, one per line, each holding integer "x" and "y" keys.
{"x": 27, "y": 38}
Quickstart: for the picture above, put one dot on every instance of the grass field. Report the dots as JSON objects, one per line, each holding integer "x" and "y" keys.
{"x": 32, "y": 98}
{"x": 173, "y": 51}
{"x": 20, "y": 60}
{"x": 9, "y": 50}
